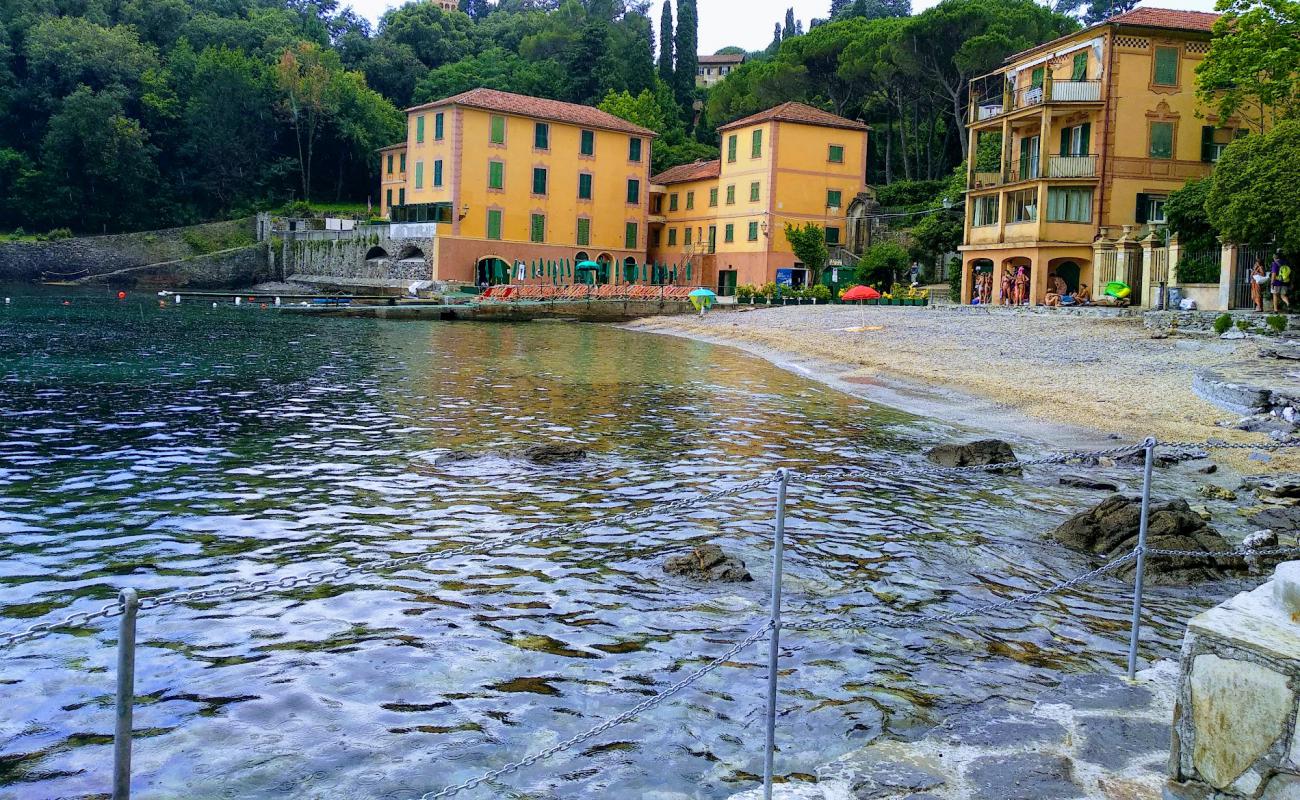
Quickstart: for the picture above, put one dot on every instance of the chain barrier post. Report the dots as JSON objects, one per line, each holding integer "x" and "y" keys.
{"x": 1149, "y": 450}
{"x": 774, "y": 642}
{"x": 125, "y": 695}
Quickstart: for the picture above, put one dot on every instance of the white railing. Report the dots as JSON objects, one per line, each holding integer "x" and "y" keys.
{"x": 1072, "y": 167}
{"x": 988, "y": 111}
{"x": 1076, "y": 91}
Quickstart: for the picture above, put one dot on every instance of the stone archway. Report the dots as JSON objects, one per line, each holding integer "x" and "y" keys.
{"x": 376, "y": 254}
{"x": 410, "y": 252}
{"x": 1014, "y": 268}
{"x": 492, "y": 271}
{"x": 977, "y": 270}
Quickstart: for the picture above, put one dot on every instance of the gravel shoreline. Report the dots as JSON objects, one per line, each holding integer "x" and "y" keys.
{"x": 1062, "y": 380}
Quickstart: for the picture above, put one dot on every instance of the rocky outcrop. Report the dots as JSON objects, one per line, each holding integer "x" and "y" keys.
{"x": 1110, "y": 530}
{"x": 972, "y": 454}
{"x": 708, "y": 562}
{"x": 545, "y": 455}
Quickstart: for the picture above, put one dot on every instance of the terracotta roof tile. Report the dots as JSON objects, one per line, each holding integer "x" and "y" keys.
{"x": 1166, "y": 18}
{"x": 699, "y": 171}
{"x": 725, "y": 58}
{"x": 800, "y": 113}
{"x": 539, "y": 108}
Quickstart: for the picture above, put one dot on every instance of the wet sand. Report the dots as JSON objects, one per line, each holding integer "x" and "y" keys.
{"x": 1062, "y": 381}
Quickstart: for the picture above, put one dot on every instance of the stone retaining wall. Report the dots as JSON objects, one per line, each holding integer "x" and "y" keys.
{"x": 96, "y": 255}
{"x": 232, "y": 269}
{"x": 347, "y": 257}
{"x": 1203, "y": 321}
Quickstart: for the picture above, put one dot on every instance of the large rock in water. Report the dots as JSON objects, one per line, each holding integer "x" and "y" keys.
{"x": 1110, "y": 530}
{"x": 555, "y": 453}
{"x": 973, "y": 454}
{"x": 708, "y": 563}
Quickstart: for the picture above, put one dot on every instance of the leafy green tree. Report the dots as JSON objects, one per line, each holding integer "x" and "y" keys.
{"x": 1255, "y": 198}
{"x": 633, "y": 39}
{"x": 1253, "y": 67}
{"x": 882, "y": 264}
{"x": 1186, "y": 215}
{"x": 493, "y": 68}
{"x": 436, "y": 37}
{"x": 645, "y": 109}
{"x": 809, "y": 244}
{"x": 393, "y": 69}
{"x": 64, "y": 53}
{"x": 99, "y": 164}
{"x": 306, "y": 87}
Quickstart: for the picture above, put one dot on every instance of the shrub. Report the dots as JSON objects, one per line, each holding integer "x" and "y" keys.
{"x": 1275, "y": 322}
{"x": 1200, "y": 267}
{"x": 907, "y": 193}
{"x": 820, "y": 292}
{"x": 882, "y": 262}
{"x": 1222, "y": 323}
{"x": 17, "y": 234}
{"x": 768, "y": 290}
{"x": 58, "y": 233}
{"x": 1243, "y": 325}
{"x": 745, "y": 292}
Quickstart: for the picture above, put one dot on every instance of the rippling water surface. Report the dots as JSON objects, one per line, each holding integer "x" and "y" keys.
{"x": 190, "y": 447}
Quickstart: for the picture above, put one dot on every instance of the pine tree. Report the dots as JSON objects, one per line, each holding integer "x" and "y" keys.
{"x": 776, "y": 40}
{"x": 789, "y": 24}
{"x": 798, "y": 28}
{"x": 687, "y": 57}
{"x": 859, "y": 9}
{"x": 666, "y": 45}
{"x": 839, "y": 8}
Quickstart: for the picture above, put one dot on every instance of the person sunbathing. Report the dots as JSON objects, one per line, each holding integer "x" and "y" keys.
{"x": 1083, "y": 297}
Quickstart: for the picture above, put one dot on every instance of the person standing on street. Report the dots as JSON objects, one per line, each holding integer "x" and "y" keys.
{"x": 1280, "y": 273}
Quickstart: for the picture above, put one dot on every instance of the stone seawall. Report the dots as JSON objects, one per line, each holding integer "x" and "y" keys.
{"x": 578, "y": 310}
{"x": 97, "y": 255}
{"x": 356, "y": 257}
{"x": 228, "y": 269}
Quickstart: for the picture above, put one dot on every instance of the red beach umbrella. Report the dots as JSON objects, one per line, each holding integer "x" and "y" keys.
{"x": 861, "y": 293}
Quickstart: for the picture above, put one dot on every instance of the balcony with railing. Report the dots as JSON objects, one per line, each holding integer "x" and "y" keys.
{"x": 1076, "y": 91}
{"x": 1050, "y": 91}
{"x": 1080, "y": 166}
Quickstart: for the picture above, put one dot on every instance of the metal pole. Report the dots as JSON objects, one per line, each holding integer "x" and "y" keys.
{"x": 774, "y": 642}
{"x": 125, "y": 695}
{"x": 1149, "y": 446}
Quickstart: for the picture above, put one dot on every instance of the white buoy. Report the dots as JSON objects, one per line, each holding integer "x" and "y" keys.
{"x": 214, "y": 305}
{"x": 178, "y": 299}
{"x": 239, "y": 300}
{"x": 6, "y": 301}
{"x": 277, "y": 301}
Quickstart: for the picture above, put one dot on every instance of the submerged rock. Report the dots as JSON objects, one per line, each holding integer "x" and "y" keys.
{"x": 1085, "y": 482}
{"x": 708, "y": 562}
{"x": 547, "y": 454}
{"x": 1110, "y": 530}
{"x": 972, "y": 454}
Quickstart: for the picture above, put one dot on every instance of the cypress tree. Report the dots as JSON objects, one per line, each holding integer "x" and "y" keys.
{"x": 776, "y": 41}
{"x": 688, "y": 57}
{"x": 789, "y": 24}
{"x": 666, "y": 45}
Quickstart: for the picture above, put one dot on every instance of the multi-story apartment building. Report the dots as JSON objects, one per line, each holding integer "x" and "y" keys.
{"x": 446, "y": 5}
{"x": 712, "y": 70}
{"x": 512, "y": 179}
{"x": 1080, "y": 140}
{"x": 789, "y": 164}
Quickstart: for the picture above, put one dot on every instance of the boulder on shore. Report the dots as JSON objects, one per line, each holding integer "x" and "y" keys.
{"x": 972, "y": 454}
{"x": 708, "y": 562}
{"x": 1110, "y": 530}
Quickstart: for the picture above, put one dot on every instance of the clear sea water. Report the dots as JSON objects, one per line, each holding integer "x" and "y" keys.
{"x": 178, "y": 448}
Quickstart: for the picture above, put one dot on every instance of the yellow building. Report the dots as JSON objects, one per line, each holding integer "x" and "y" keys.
{"x": 726, "y": 218}
{"x": 510, "y": 179}
{"x": 712, "y": 70}
{"x": 446, "y": 5}
{"x": 1092, "y": 132}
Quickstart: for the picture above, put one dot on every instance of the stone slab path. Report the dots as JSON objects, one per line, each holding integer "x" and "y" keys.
{"x": 1093, "y": 737}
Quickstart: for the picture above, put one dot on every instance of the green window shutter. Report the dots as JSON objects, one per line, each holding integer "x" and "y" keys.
{"x": 731, "y": 195}
{"x": 538, "y": 228}
{"x": 437, "y": 172}
{"x": 672, "y": 237}
{"x": 833, "y": 198}
{"x": 401, "y": 197}
{"x": 1085, "y": 145}
{"x": 1143, "y": 204}
{"x": 584, "y": 186}
{"x": 1065, "y": 141}
{"x": 1166, "y": 66}
{"x": 729, "y": 233}
{"x": 672, "y": 202}
{"x": 438, "y": 128}
{"x": 1207, "y": 143}
{"x": 634, "y": 191}
{"x": 731, "y": 147}
{"x": 1024, "y": 157}
{"x": 494, "y": 224}
{"x": 687, "y": 239}
{"x": 713, "y": 197}
{"x": 403, "y": 166}
{"x": 690, "y": 201}
{"x": 497, "y": 134}
{"x": 754, "y": 190}
{"x": 390, "y": 163}
{"x": 1080, "y": 70}
{"x": 837, "y": 154}
{"x": 389, "y": 198}
{"x": 584, "y": 232}
{"x": 542, "y": 136}
{"x": 1162, "y": 140}
{"x": 419, "y": 128}
{"x": 713, "y": 238}
{"x": 756, "y": 150}
{"x": 631, "y": 236}
{"x": 753, "y": 231}
{"x": 1036, "y": 78}
{"x": 634, "y": 150}
{"x": 419, "y": 174}
{"x": 832, "y": 236}
{"x": 496, "y": 175}
{"x": 588, "y": 143}
{"x": 539, "y": 180}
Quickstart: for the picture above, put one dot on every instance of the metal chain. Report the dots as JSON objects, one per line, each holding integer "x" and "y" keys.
{"x": 75, "y": 620}
{"x": 901, "y": 620}
{"x": 342, "y": 573}
{"x": 1240, "y": 552}
{"x": 1216, "y": 445}
{"x": 626, "y": 716}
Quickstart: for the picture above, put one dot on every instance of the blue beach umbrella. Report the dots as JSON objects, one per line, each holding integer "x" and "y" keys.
{"x": 702, "y": 299}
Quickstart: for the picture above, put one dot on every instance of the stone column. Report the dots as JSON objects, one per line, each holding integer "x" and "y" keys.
{"x": 1127, "y": 260}
{"x": 1227, "y": 275}
{"x": 1235, "y": 715}
{"x": 1149, "y": 270}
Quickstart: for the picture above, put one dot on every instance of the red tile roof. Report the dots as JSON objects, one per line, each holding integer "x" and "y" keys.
{"x": 1166, "y": 18}
{"x": 699, "y": 171}
{"x": 725, "y": 58}
{"x": 800, "y": 113}
{"x": 539, "y": 108}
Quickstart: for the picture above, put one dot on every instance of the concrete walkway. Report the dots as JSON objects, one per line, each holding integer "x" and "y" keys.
{"x": 1093, "y": 737}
